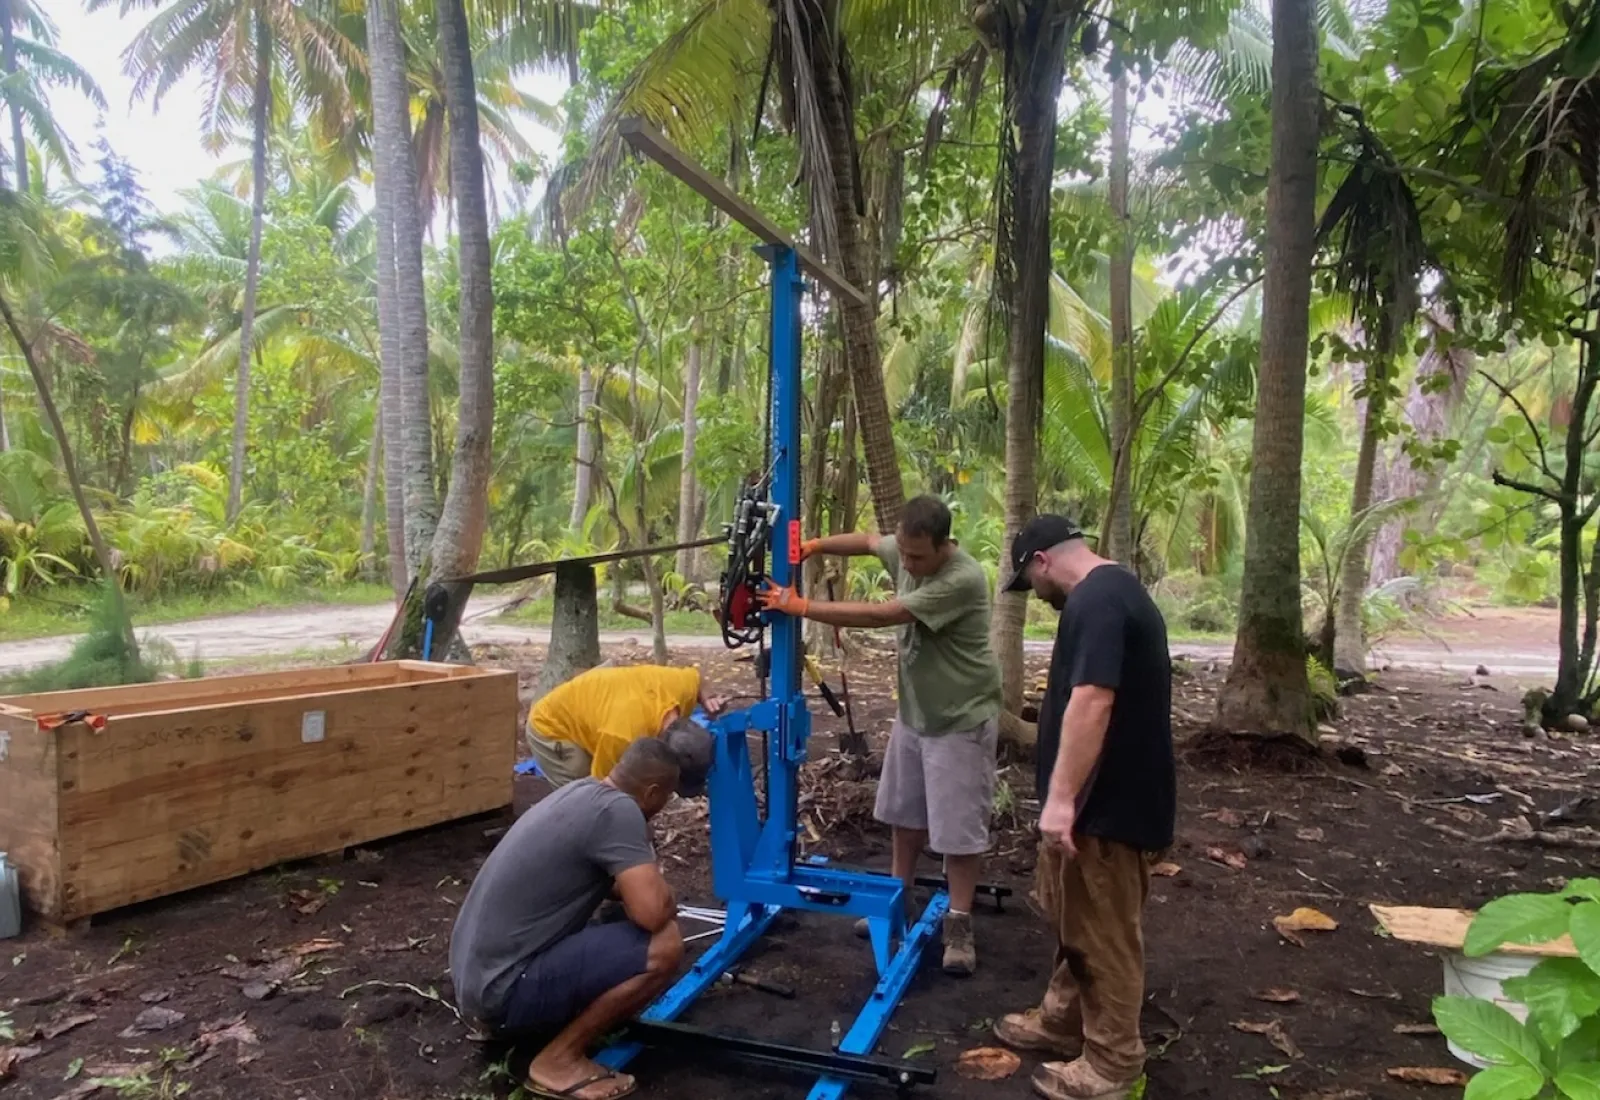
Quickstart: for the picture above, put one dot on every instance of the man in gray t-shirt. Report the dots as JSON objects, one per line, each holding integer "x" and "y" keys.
{"x": 524, "y": 957}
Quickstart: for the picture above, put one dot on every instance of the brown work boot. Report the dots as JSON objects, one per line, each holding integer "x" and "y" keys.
{"x": 1078, "y": 1080}
{"x": 960, "y": 953}
{"x": 1031, "y": 1031}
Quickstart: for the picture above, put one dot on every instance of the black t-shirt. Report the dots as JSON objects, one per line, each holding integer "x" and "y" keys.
{"x": 1112, "y": 636}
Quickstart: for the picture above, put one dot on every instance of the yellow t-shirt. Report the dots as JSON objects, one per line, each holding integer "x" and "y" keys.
{"x": 605, "y": 710}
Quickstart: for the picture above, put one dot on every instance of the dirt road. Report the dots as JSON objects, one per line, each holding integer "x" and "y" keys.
{"x": 1519, "y": 645}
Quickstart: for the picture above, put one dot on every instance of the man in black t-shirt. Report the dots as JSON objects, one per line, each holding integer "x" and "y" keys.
{"x": 1106, "y": 779}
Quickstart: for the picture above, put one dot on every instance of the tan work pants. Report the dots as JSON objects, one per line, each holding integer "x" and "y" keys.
{"x": 1094, "y": 904}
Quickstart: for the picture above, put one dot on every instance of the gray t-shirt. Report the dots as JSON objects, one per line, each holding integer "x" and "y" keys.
{"x": 542, "y": 883}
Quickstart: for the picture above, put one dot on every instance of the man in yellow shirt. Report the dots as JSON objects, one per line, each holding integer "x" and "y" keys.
{"x": 582, "y": 728}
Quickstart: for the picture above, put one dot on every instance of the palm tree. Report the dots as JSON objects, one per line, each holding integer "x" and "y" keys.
{"x": 459, "y": 537}
{"x": 402, "y": 303}
{"x": 239, "y": 44}
{"x": 1033, "y": 38}
{"x": 31, "y": 64}
{"x": 720, "y": 64}
{"x": 1266, "y": 691}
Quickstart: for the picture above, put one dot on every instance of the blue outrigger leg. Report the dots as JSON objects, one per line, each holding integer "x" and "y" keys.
{"x": 754, "y": 869}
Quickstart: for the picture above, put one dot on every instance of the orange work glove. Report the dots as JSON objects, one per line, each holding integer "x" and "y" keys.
{"x": 810, "y": 547}
{"x": 786, "y": 601}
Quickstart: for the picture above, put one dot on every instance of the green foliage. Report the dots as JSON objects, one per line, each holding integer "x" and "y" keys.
{"x": 104, "y": 656}
{"x": 1556, "y": 1052}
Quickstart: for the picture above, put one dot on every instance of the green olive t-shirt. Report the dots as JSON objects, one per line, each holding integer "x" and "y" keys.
{"x": 949, "y": 677}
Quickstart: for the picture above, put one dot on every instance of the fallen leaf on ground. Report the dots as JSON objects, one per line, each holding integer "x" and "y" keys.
{"x": 1416, "y": 1029}
{"x": 1277, "y": 996}
{"x": 1428, "y": 1075}
{"x": 155, "y": 996}
{"x": 230, "y": 1030}
{"x": 1376, "y": 994}
{"x": 1311, "y": 834}
{"x": 307, "y": 902}
{"x": 917, "y": 1050}
{"x": 987, "y": 1064}
{"x": 63, "y": 1024}
{"x": 1303, "y": 919}
{"x": 1273, "y": 1032}
{"x": 1235, "y": 860}
{"x": 315, "y": 947}
{"x": 1233, "y": 819}
{"x": 1165, "y": 870}
{"x": 151, "y": 1019}
{"x": 12, "y": 1057}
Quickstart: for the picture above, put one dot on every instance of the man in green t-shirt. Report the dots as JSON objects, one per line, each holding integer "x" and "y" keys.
{"x": 938, "y": 777}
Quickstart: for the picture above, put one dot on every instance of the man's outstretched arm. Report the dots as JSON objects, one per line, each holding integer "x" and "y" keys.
{"x": 855, "y": 544}
{"x": 841, "y": 613}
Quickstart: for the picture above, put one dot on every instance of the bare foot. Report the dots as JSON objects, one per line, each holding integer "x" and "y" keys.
{"x": 578, "y": 1080}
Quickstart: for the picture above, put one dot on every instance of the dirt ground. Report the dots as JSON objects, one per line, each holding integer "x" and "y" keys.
{"x": 322, "y": 979}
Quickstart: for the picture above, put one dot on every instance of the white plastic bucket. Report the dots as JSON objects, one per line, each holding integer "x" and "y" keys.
{"x": 10, "y": 901}
{"x": 1482, "y": 979}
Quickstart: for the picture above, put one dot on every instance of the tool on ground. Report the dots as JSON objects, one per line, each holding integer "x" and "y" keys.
{"x": 854, "y": 742}
{"x": 777, "y": 989}
{"x": 753, "y": 853}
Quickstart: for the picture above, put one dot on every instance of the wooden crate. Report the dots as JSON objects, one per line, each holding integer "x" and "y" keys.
{"x": 196, "y": 781}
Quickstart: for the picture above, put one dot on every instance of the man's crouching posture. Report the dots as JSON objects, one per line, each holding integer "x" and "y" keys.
{"x": 524, "y": 958}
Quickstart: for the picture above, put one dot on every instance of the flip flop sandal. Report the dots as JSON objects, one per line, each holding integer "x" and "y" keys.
{"x": 571, "y": 1091}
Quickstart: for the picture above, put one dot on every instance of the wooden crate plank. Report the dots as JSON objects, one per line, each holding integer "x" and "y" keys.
{"x": 173, "y": 694}
{"x": 154, "y": 806}
{"x": 29, "y": 811}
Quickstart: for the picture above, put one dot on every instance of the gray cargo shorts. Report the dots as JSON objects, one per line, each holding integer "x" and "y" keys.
{"x": 943, "y": 784}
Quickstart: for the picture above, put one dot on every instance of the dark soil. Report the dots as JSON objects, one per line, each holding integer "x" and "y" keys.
{"x": 351, "y": 952}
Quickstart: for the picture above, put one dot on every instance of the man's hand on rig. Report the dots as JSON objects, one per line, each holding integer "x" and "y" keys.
{"x": 776, "y": 597}
{"x": 810, "y": 547}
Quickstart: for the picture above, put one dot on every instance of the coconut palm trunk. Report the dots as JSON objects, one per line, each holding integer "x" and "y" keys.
{"x": 1350, "y": 634}
{"x": 1034, "y": 64}
{"x": 1266, "y": 692}
{"x": 863, "y": 357}
{"x": 369, "y": 493}
{"x": 386, "y": 195}
{"x": 583, "y": 476}
{"x": 260, "y": 111}
{"x": 688, "y": 486}
{"x": 19, "y": 144}
{"x": 458, "y": 540}
{"x": 1118, "y": 541}
{"x": 393, "y": 159}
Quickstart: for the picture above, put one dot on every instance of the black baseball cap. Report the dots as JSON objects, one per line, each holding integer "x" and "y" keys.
{"x": 1038, "y": 534}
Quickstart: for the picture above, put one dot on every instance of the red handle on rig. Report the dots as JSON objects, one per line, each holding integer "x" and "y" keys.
{"x": 794, "y": 542}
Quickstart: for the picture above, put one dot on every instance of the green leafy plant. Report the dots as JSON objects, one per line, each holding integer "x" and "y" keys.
{"x": 1556, "y": 1052}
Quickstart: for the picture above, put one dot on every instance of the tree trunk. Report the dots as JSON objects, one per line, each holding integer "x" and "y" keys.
{"x": 458, "y": 540}
{"x": 1034, "y": 62}
{"x": 583, "y": 478}
{"x": 1350, "y": 633}
{"x": 1572, "y": 669}
{"x": 1118, "y": 543}
{"x": 260, "y": 108}
{"x": 388, "y": 136}
{"x": 863, "y": 357}
{"x": 688, "y": 489}
{"x": 102, "y": 552}
{"x": 574, "y": 628}
{"x": 392, "y": 138}
{"x": 369, "y": 495}
{"x": 8, "y": 48}
{"x": 1436, "y": 392}
{"x": 1266, "y": 691}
